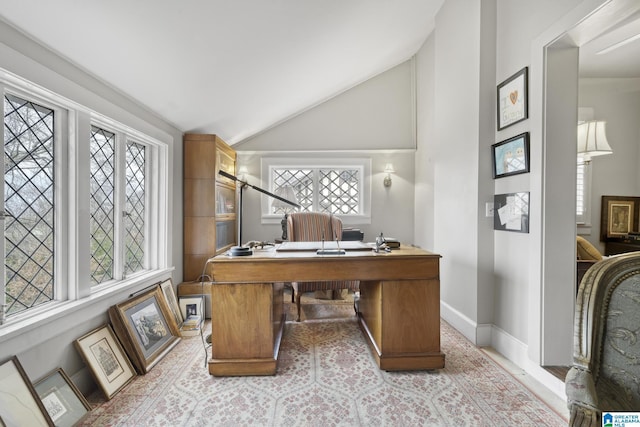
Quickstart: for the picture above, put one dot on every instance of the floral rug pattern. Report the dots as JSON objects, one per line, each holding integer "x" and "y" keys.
{"x": 326, "y": 376}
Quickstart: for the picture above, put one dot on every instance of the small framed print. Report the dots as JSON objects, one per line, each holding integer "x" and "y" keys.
{"x": 192, "y": 306}
{"x": 63, "y": 401}
{"x": 511, "y": 156}
{"x": 513, "y": 99}
{"x": 619, "y": 218}
{"x": 511, "y": 212}
{"x": 106, "y": 359}
{"x": 19, "y": 402}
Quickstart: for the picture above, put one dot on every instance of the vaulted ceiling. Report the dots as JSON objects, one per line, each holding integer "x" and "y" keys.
{"x": 237, "y": 67}
{"x": 227, "y": 67}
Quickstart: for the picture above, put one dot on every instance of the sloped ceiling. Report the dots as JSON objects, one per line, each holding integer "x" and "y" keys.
{"x": 230, "y": 67}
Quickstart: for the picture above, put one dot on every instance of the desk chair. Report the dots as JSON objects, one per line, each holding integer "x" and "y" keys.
{"x": 312, "y": 227}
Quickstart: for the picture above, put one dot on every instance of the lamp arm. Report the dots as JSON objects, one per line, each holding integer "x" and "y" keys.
{"x": 282, "y": 199}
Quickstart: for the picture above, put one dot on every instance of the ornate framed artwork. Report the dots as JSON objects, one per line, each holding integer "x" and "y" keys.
{"x": 513, "y": 99}
{"x": 19, "y": 402}
{"x": 619, "y": 217}
{"x": 107, "y": 361}
{"x": 146, "y": 327}
{"x": 511, "y": 156}
{"x": 511, "y": 212}
{"x": 63, "y": 401}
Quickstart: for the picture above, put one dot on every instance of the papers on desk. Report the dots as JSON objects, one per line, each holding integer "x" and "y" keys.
{"x": 328, "y": 245}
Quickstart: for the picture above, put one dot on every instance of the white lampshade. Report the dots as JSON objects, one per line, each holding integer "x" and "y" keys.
{"x": 388, "y": 168}
{"x": 592, "y": 140}
{"x": 286, "y": 192}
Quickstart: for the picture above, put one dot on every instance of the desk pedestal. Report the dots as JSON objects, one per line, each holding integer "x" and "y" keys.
{"x": 248, "y": 321}
{"x": 401, "y": 322}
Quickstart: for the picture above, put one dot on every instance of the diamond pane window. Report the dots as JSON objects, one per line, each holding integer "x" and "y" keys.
{"x": 301, "y": 180}
{"x": 28, "y": 204}
{"x": 102, "y": 149}
{"x": 337, "y": 191}
{"x": 135, "y": 207}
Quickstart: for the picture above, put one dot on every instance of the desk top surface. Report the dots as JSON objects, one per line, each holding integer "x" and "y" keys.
{"x": 280, "y": 253}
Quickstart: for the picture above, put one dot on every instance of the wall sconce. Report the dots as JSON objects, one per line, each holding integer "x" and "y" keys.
{"x": 242, "y": 173}
{"x": 592, "y": 140}
{"x": 388, "y": 169}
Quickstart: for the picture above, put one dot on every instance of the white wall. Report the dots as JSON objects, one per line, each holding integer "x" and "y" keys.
{"x": 42, "y": 349}
{"x": 373, "y": 120}
{"x": 617, "y": 101}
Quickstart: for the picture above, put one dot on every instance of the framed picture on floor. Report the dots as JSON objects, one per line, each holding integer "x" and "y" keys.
{"x": 146, "y": 327}
{"x": 192, "y": 306}
{"x": 172, "y": 301}
{"x": 511, "y": 156}
{"x": 513, "y": 99}
{"x": 107, "y": 361}
{"x": 19, "y": 402}
{"x": 63, "y": 401}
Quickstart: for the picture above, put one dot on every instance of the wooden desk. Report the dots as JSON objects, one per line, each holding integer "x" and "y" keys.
{"x": 398, "y": 310}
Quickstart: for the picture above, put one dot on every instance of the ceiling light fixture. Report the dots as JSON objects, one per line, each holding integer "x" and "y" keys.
{"x": 618, "y": 45}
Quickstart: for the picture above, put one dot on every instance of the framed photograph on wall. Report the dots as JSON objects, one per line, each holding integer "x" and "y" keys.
{"x": 63, "y": 401}
{"x": 146, "y": 327}
{"x": 511, "y": 212}
{"x": 107, "y": 361}
{"x": 513, "y": 99}
{"x": 19, "y": 402}
{"x": 511, "y": 156}
{"x": 619, "y": 218}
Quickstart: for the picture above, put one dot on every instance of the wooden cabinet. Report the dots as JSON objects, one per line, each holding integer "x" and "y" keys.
{"x": 209, "y": 201}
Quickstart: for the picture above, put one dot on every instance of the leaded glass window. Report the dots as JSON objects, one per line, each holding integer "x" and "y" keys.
{"x": 28, "y": 204}
{"x": 135, "y": 208}
{"x": 102, "y": 190}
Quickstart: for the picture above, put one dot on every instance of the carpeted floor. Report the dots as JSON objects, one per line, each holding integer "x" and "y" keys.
{"x": 326, "y": 376}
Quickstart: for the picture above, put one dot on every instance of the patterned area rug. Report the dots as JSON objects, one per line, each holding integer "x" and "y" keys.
{"x": 326, "y": 376}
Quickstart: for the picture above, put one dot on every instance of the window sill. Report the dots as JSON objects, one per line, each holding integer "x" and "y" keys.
{"x": 58, "y": 317}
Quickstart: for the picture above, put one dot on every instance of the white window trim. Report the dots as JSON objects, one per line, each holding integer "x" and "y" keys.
{"x": 267, "y": 164}
{"x": 583, "y": 222}
{"x": 71, "y": 248}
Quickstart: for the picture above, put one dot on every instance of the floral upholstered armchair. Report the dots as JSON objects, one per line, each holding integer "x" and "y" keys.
{"x": 605, "y": 376}
{"x": 314, "y": 227}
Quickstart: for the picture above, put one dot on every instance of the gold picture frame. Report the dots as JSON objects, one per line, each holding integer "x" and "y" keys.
{"x": 64, "y": 403}
{"x": 619, "y": 217}
{"x": 146, "y": 327}
{"x": 172, "y": 301}
{"x": 19, "y": 402}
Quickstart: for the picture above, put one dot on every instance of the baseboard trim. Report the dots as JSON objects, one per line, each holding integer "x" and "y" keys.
{"x": 488, "y": 335}
{"x": 479, "y": 334}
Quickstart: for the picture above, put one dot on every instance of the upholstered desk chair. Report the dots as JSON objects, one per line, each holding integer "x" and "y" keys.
{"x": 312, "y": 227}
{"x": 605, "y": 375}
